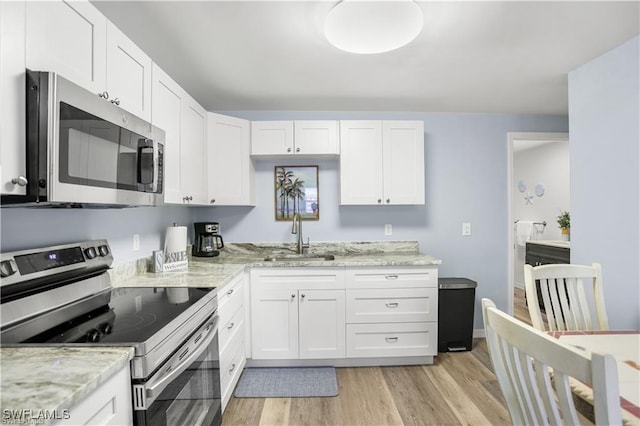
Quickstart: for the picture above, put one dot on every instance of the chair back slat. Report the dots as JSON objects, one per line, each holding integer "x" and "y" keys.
{"x": 564, "y": 299}
{"x": 523, "y": 357}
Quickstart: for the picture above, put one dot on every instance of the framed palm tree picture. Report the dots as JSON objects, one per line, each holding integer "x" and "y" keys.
{"x": 296, "y": 191}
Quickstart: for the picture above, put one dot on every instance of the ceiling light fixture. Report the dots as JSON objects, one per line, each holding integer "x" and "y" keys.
{"x": 369, "y": 26}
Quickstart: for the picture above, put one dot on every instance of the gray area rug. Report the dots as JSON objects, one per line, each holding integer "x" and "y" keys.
{"x": 291, "y": 382}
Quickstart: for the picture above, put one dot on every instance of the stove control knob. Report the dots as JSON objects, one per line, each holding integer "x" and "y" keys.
{"x": 103, "y": 250}
{"x": 90, "y": 252}
{"x": 93, "y": 336}
{"x": 6, "y": 268}
{"x": 106, "y": 328}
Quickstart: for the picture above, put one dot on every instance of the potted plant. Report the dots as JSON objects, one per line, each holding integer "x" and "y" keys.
{"x": 564, "y": 222}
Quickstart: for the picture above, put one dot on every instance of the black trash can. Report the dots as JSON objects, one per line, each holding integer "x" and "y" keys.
{"x": 456, "y": 302}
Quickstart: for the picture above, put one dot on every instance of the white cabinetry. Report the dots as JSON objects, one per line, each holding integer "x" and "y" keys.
{"x": 297, "y": 313}
{"x": 231, "y": 336}
{"x": 381, "y": 162}
{"x": 128, "y": 74}
{"x": 109, "y": 404}
{"x": 76, "y": 41}
{"x": 391, "y": 312}
{"x": 12, "y": 93}
{"x": 183, "y": 121}
{"x": 231, "y": 170}
{"x": 302, "y": 137}
{"x": 68, "y": 38}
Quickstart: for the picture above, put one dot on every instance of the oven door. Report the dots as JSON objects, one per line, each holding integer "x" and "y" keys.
{"x": 185, "y": 390}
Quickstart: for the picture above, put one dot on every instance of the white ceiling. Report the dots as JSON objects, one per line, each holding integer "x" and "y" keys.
{"x": 496, "y": 57}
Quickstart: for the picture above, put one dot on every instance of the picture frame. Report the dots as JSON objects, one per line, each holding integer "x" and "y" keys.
{"x": 296, "y": 190}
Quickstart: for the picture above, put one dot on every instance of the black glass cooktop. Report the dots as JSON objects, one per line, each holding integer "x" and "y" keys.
{"x": 133, "y": 315}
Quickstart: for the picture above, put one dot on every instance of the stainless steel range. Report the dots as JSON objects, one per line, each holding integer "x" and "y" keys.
{"x": 62, "y": 295}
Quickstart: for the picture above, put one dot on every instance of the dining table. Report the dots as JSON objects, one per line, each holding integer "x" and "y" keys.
{"x": 624, "y": 345}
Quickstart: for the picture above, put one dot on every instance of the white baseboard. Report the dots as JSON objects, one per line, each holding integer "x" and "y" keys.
{"x": 519, "y": 285}
{"x": 478, "y": 333}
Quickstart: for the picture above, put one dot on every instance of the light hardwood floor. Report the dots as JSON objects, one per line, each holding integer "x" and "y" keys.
{"x": 458, "y": 389}
{"x": 520, "y": 310}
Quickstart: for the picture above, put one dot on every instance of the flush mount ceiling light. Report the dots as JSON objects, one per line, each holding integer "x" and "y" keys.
{"x": 369, "y": 26}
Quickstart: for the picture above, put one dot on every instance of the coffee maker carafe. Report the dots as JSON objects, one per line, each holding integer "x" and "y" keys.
{"x": 207, "y": 239}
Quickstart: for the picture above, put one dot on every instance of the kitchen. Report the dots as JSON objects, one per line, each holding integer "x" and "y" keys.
{"x": 466, "y": 173}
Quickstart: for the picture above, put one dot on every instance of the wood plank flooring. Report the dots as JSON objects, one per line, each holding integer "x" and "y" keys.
{"x": 458, "y": 389}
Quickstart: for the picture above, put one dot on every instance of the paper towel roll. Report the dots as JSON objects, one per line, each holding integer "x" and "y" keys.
{"x": 175, "y": 243}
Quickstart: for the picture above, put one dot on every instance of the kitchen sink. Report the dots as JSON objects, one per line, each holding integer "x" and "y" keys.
{"x": 301, "y": 257}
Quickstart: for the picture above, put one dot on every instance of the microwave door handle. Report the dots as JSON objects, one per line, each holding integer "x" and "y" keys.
{"x": 144, "y": 146}
{"x": 154, "y": 390}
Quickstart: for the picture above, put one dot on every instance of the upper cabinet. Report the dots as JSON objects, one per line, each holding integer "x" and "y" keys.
{"x": 76, "y": 41}
{"x": 183, "y": 121}
{"x": 12, "y": 93}
{"x": 128, "y": 74}
{"x": 282, "y": 138}
{"x": 381, "y": 162}
{"x": 231, "y": 173}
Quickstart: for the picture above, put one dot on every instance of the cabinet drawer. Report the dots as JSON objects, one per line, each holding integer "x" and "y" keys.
{"x": 385, "y": 277}
{"x": 230, "y": 297}
{"x": 232, "y": 362}
{"x": 227, "y": 330}
{"x": 392, "y": 305}
{"x": 392, "y": 340}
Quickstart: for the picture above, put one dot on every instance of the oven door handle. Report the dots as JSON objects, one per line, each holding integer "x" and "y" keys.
{"x": 154, "y": 389}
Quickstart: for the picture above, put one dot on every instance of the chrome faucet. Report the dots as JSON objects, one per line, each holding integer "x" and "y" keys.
{"x": 296, "y": 228}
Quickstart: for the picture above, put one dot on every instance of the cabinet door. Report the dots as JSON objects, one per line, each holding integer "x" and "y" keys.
{"x": 403, "y": 157}
{"x": 274, "y": 322}
{"x": 271, "y": 137}
{"x": 193, "y": 158}
{"x": 316, "y": 137}
{"x": 128, "y": 74}
{"x": 12, "y": 93}
{"x": 68, "y": 38}
{"x": 166, "y": 113}
{"x": 230, "y": 171}
{"x": 361, "y": 162}
{"x": 321, "y": 315}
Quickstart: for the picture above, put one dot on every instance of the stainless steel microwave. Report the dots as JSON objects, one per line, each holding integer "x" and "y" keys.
{"x": 84, "y": 149}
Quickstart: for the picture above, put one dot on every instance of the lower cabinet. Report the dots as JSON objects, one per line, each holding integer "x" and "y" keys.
{"x": 297, "y": 313}
{"x": 109, "y": 404}
{"x": 392, "y": 312}
{"x": 345, "y": 314}
{"x": 231, "y": 336}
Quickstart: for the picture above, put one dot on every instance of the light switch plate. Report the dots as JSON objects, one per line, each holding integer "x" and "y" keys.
{"x": 388, "y": 230}
{"x": 466, "y": 228}
{"x": 136, "y": 242}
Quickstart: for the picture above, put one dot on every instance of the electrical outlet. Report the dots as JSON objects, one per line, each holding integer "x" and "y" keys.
{"x": 388, "y": 229}
{"x": 466, "y": 229}
{"x": 136, "y": 242}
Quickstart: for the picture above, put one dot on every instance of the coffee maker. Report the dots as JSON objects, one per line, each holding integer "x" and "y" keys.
{"x": 207, "y": 239}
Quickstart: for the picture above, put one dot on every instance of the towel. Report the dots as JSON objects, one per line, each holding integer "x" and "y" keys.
{"x": 524, "y": 231}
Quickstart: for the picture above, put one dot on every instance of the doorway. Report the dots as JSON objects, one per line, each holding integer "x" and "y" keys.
{"x": 538, "y": 189}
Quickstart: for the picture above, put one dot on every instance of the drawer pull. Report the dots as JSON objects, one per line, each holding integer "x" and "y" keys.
{"x": 391, "y": 277}
{"x": 233, "y": 367}
{"x": 391, "y": 305}
{"x": 391, "y": 339}
{"x": 230, "y": 292}
{"x": 230, "y": 326}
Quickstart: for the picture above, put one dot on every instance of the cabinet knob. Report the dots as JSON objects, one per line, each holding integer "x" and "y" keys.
{"x": 115, "y": 101}
{"x": 388, "y": 200}
{"x": 293, "y": 295}
{"x": 379, "y": 200}
{"x": 297, "y": 149}
{"x": 230, "y": 326}
{"x": 104, "y": 95}
{"x": 20, "y": 180}
{"x": 302, "y": 296}
{"x": 213, "y": 200}
{"x": 233, "y": 367}
{"x": 288, "y": 149}
{"x": 230, "y": 292}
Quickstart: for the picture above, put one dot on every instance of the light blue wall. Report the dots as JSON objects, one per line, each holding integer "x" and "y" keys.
{"x": 466, "y": 181}
{"x": 604, "y": 118}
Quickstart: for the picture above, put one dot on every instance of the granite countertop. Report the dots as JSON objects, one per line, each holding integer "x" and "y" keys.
{"x": 44, "y": 379}
{"x": 234, "y": 258}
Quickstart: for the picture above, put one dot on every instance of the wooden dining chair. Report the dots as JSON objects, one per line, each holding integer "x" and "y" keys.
{"x": 562, "y": 289}
{"x": 522, "y": 359}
